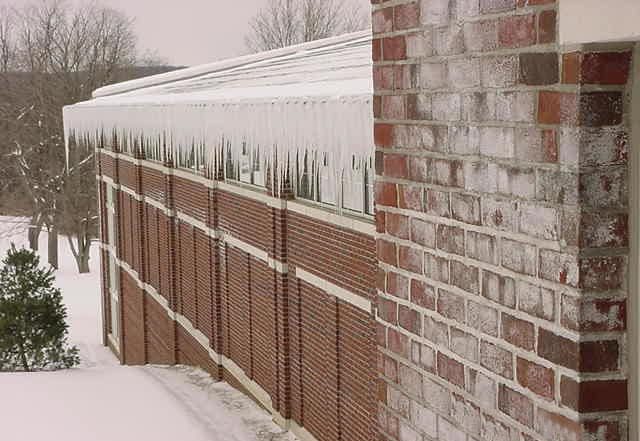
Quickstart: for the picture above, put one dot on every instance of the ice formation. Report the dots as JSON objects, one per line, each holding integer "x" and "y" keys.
{"x": 282, "y": 108}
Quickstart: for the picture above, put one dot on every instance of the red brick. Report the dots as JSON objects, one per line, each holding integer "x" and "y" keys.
{"x": 599, "y": 356}
{"x": 536, "y": 378}
{"x": 406, "y": 16}
{"x": 395, "y": 166}
{"x": 410, "y": 259}
{"x": 388, "y": 310}
{"x": 394, "y": 48}
{"x": 382, "y": 20}
{"x": 517, "y": 31}
{"x": 387, "y": 252}
{"x": 571, "y": 67}
{"x": 398, "y": 343}
{"x": 558, "y": 349}
{"x": 397, "y": 225}
{"x": 518, "y": 332}
{"x": 410, "y": 197}
{"x": 557, "y": 108}
{"x": 594, "y": 396}
{"x": 547, "y": 27}
{"x": 423, "y": 295}
{"x": 386, "y": 194}
{"x": 606, "y": 68}
{"x": 409, "y": 319}
{"x": 517, "y": 406}
{"x": 398, "y": 285}
{"x": 451, "y": 370}
{"x": 383, "y": 134}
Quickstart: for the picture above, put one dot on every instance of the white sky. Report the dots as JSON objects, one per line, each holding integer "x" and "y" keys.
{"x": 190, "y": 32}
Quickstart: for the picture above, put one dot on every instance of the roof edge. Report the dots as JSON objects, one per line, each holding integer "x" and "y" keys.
{"x": 196, "y": 71}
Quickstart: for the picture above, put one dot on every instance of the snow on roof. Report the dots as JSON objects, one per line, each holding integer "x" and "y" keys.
{"x": 311, "y": 98}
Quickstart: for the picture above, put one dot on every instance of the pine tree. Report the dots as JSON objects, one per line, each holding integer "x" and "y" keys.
{"x": 33, "y": 331}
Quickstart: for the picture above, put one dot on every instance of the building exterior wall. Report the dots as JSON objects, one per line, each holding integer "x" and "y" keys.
{"x": 274, "y": 296}
{"x": 502, "y": 219}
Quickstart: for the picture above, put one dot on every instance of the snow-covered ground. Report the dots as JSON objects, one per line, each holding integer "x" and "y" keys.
{"x": 104, "y": 401}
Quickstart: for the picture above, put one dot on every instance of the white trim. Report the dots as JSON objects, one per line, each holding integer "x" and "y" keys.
{"x": 347, "y": 222}
{"x": 334, "y": 290}
{"x": 633, "y": 319}
{"x": 114, "y": 343}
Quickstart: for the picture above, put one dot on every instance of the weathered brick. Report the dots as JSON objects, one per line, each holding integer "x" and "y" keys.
{"x": 516, "y": 405}
{"x": 520, "y": 257}
{"x": 446, "y": 107}
{"x": 410, "y": 259}
{"x": 601, "y": 109}
{"x": 479, "y": 106}
{"x": 540, "y": 221}
{"x": 409, "y": 319}
{"x": 517, "y": 31}
{"x": 394, "y": 48}
{"x": 499, "y": 71}
{"x": 451, "y": 306}
{"x": 450, "y": 239}
{"x": 433, "y": 76}
{"x": 464, "y": 73}
{"x": 558, "y": 349}
{"x": 423, "y": 233}
{"x": 397, "y": 225}
{"x": 465, "y": 208}
{"x": 448, "y": 431}
{"x": 424, "y": 356}
{"x": 516, "y": 106}
{"x": 536, "y": 378}
{"x": 449, "y": 40}
{"x": 480, "y": 36}
{"x": 553, "y": 426}
{"x": 382, "y": 20}
{"x": 483, "y": 388}
{"x": 419, "y": 44}
{"x": 451, "y": 370}
{"x": 494, "y": 430}
{"x": 518, "y": 332}
{"x": 605, "y": 188}
{"x": 516, "y": 181}
{"x": 424, "y": 420}
{"x": 436, "y": 332}
{"x": 394, "y": 107}
{"x": 423, "y": 294}
{"x": 436, "y": 268}
{"x": 464, "y": 140}
{"x": 435, "y": 12}
{"x": 396, "y": 166}
{"x": 465, "y": 414}
{"x": 539, "y": 69}
{"x": 593, "y": 315}
{"x": 547, "y": 27}
{"x": 497, "y": 142}
{"x": 559, "y": 267}
{"x": 602, "y": 273}
{"x": 465, "y": 277}
{"x": 464, "y": 344}
{"x": 482, "y": 247}
{"x": 388, "y": 310}
{"x": 447, "y": 173}
{"x": 398, "y": 343}
{"x": 499, "y": 214}
{"x": 496, "y": 359}
{"x": 439, "y": 396}
{"x": 483, "y": 318}
{"x": 410, "y": 197}
{"x": 386, "y": 252}
{"x": 487, "y": 6}
{"x": 436, "y": 203}
{"x": 481, "y": 177}
{"x": 499, "y": 289}
{"x": 557, "y": 108}
{"x": 397, "y": 285}
{"x": 557, "y": 187}
{"x": 536, "y": 301}
{"x": 406, "y": 16}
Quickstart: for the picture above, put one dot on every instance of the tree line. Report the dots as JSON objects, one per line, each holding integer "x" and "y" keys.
{"x": 53, "y": 53}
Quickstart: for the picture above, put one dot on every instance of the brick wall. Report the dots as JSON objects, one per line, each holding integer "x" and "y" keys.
{"x": 225, "y": 266}
{"x": 502, "y": 218}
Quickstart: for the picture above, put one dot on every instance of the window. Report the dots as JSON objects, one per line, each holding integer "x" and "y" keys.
{"x": 114, "y": 298}
{"x": 353, "y": 191}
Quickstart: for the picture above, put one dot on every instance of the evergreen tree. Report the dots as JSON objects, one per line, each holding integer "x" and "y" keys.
{"x": 33, "y": 331}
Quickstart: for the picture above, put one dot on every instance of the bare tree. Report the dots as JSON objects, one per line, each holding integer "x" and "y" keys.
{"x": 286, "y": 22}
{"x": 53, "y": 54}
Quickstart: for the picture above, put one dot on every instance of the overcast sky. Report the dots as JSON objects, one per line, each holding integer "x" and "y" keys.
{"x": 189, "y": 32}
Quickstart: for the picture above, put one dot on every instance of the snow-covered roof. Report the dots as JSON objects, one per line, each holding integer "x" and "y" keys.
{"x": 315, "y": 97}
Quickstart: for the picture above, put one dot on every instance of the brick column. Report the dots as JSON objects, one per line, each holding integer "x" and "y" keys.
{"x": 502, "y": 216}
